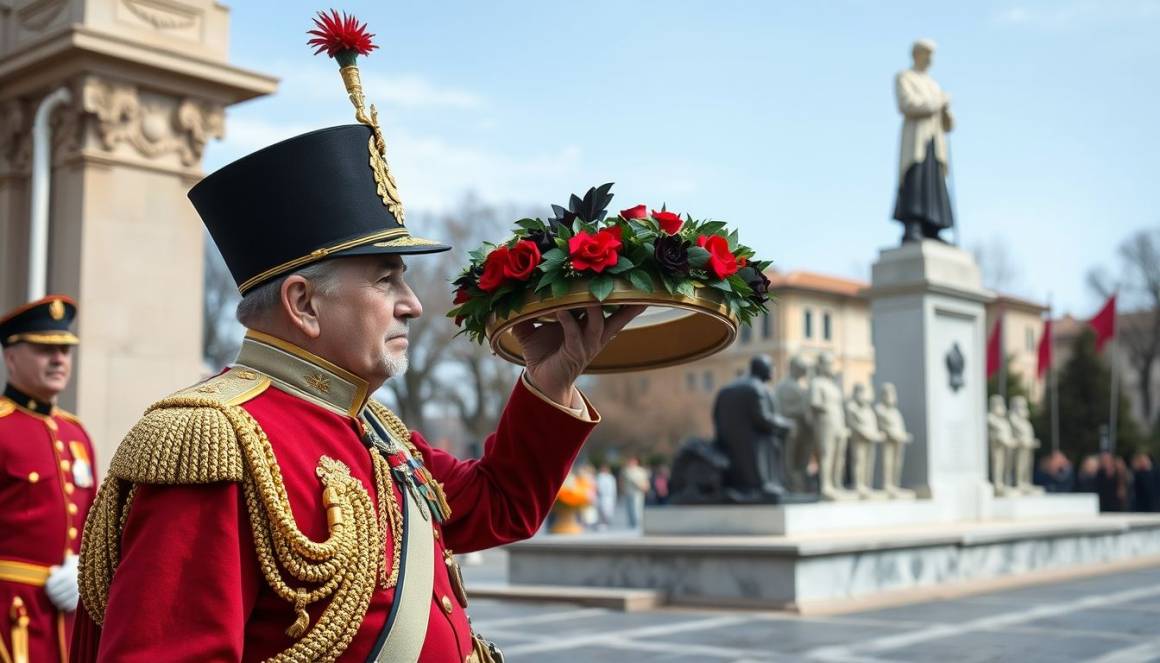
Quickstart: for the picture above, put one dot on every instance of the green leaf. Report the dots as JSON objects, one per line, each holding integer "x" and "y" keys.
{"x": 721, "y": 285}
{"x": 733, "y": 240}
{"x": 560, "y": 287}
{"x": 563, "y": 232}
{"x": 601, "y": 287}
{"x": 698, "y": 257}
{"x": 711, "y": 227}
{"x": 640, "y": 280}
{"x": 530, "y": 224}
{"x": 623, "y": 264}
{"x": 670, "y": 286}
{"x": 686, "y": 288}
{"x": 555, "y": 255}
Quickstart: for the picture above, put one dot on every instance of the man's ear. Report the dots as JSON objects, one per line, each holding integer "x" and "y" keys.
{"x": 297, "y": 297}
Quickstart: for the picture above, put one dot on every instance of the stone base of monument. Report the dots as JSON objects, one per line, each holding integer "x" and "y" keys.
{"x": 824, "y": 571}
{"x": 827, "y": 517}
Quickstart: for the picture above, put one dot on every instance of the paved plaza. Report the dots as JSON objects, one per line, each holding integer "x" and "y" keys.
{"x": 1109, "y": 619}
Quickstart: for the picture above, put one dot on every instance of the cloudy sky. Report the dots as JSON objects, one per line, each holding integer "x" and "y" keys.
{"x": 778, "y": 117}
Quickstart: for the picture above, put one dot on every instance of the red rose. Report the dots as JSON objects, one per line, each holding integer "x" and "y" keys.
{"x": 522, "y": 260}
{"x": 638, "y": 212}
{"x": 722, "y": 262}
{"x": 594, "y": 251}
{"x": 670, "y": 222}
{"x": 461, "y": 297}
{"x": 493, "y": 270}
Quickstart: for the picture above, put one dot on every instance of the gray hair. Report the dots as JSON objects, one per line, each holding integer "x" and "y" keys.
{"x": 259, "y": 303}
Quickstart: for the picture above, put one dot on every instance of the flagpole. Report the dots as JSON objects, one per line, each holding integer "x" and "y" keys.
{"x": 1114, "y": 409}
{"x": 1002, "y": 356}
{"x": 1053, "y": 381}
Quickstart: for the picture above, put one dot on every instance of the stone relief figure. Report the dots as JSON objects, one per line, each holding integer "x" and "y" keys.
{"x": 893, "y": 429}
{"x": 1001, "y": 442}
{"x": 829, "y": 429}
{"x": 923, "y": 205}
{"x": 866, "y": 438}
{"x": 1023, "y": 445}
{"x": 751, "y": 436}
{"x": 791, "y": 397}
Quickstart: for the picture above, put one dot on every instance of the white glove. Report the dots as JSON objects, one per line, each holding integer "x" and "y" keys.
{"x": 61, "y": 586}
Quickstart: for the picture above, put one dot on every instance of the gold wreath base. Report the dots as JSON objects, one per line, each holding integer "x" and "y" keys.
{"x": 675, "y": 329}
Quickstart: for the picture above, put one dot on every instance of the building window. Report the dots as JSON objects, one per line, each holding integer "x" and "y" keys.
{"x": 826, "y": 331}
{"x": 746, "y": 334}
{"x": 767, "y": 325}
{"x": 708, "y": 379}
{"x": 809, "y": 324}
{"x": 691, "y": 381}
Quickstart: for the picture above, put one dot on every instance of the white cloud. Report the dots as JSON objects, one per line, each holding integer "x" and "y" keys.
{"x": 1067, "y": 14}
{"x": 412, "y": 91}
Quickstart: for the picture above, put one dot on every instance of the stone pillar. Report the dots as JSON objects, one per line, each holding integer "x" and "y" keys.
{"x": 928, "y": 323}
{"x": 149, "y": 82}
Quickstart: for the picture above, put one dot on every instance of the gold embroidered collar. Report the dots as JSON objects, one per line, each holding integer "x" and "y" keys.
{"x": 304, "y": 374}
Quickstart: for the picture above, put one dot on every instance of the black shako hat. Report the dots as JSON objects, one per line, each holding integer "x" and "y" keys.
{"x": 302, "y": 200}
{"x": 46, "y": 321}
{"x": 324, "y": 194}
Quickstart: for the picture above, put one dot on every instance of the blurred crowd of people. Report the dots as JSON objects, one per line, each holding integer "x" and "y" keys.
{"x": 627, "y": 487}
{"x": 1122, "y": 483}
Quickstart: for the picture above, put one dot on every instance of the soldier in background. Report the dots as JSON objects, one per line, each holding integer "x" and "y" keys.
{"x": 46, "y": 484}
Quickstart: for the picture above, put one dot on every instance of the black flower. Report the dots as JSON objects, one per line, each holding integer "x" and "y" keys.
{"x": 545, "y": 239}
{"x": 758, "y": 282}
{"x": 672, "y": 254}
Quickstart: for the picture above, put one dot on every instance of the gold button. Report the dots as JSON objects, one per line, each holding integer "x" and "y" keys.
{"x": 51, "y": 424}
{"x": 436, "y": 531}
{"x": 72, "y": 533}
{"x": 59, "y": 445}
{"x": 64, "y": 465}
{"x": 446, "y": 602}
{"x": 69, "y": 488}
{"x": 72, "y": 509}
{"x": 33, "y": 477}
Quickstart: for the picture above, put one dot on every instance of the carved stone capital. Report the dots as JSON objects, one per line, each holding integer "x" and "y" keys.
{"x": 148, "y": 124}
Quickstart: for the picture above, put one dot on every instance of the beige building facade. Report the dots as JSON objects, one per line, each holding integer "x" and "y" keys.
{"x": 146, "y": 84}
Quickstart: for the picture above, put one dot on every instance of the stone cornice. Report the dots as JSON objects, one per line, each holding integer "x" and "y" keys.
{"x": 230, "y": 84}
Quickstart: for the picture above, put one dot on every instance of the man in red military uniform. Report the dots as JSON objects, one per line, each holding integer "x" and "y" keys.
{"x": 46, "y": 484}
{"x": 275, "y": 511}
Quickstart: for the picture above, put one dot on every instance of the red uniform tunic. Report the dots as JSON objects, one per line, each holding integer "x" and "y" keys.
{"x": 188, "y": 586}
{"x": 46, "y": 488}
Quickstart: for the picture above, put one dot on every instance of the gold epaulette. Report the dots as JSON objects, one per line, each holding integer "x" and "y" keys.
{"x": 7, "y": 407}
{"x": 187, "y": 438}
{"x": 200, "y": 435}
{"x": 65, "y": 414}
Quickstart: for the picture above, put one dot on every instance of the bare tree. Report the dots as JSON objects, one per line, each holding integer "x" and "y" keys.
{"x": 220, "y": 331}
{"x": 443, "y": 368}
{"x": 1139, "y": 293}
{"x": 999, "y": 267}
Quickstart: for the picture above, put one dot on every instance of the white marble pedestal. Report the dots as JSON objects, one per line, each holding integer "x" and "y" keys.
{"x": 928, "y": 327}
{"x": 826, "y": 571}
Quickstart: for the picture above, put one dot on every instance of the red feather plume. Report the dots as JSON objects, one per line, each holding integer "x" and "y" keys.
{"x": 335, "y": 34}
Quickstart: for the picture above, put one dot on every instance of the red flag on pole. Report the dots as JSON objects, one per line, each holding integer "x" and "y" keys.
{"x": 1104, "y": 323}
{"x": 1044, "y": 349}
{"x": 995, "y": 347}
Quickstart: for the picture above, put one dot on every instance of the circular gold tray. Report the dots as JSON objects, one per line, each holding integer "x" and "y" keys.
{"x": 674, "y": 329}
